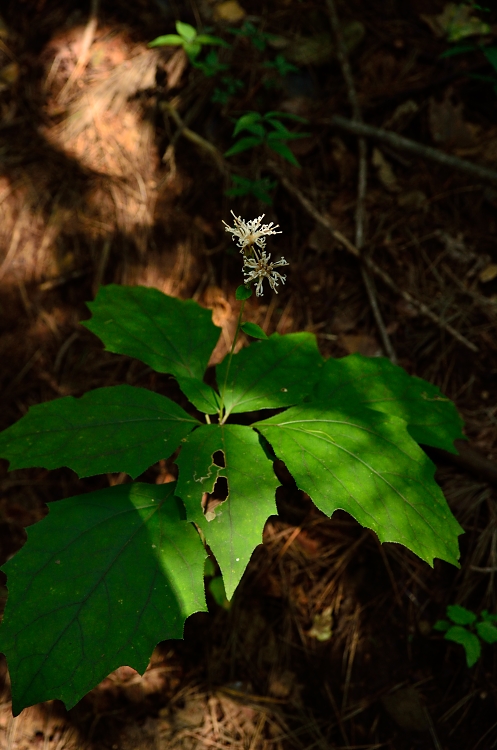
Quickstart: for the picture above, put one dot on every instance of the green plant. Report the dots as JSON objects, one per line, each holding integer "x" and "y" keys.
{"x": 230, "y": 85}
{"x": 266, "y": 129}
{"x": 281, "y": 65}
{"x": 108, "y": 574}
{"x": 258, "y": 38}
{"x": 188, "y": 38}
{"x": 464, "y": 627}
{"x": 258, "y": 188}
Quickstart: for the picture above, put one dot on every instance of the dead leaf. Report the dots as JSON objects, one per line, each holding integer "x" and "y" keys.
{"x": 489, "y": 273}
{"x": 413, "y": 199}
{"x": 385, "y": 172}
{"x": 402, "y": 116}
{"x": 406, "y": 709}
{"x": 361, "y": 343}
{"x": 322, "y": 626}
{"x": 446, "y": 123}
{"x": 456, "y": 22}
{"x": 230, "y": 11}
{"x": 9, "y": 74}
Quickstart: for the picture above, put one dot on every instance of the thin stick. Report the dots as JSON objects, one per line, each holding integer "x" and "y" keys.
{"x": 86, "y": 42}
{"x": 373, "y": 267}
{"x": 195, "y": 138}
{"x": 406, "y": 144}
{"x": 360, "y": 214}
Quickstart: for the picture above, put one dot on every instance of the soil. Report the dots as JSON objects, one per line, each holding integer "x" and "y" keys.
{"x": 329, "y": 640}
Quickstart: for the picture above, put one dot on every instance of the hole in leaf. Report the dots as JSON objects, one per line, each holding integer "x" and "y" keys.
{"x": 218, "y": 458}
{"x": 210, "y": 501}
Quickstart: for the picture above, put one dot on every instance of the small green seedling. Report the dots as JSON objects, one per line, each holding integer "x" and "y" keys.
{"x": 464, "y": 627}
{"x": 258, "y": 188}
{"x": 228, "y": 88}
{"x": 188, "y": 38}
{"x": 108, "y": 574}
{"x": 269, "y": 130}
{"x": 281, "y": 65}
{"x": 258, "y": 38}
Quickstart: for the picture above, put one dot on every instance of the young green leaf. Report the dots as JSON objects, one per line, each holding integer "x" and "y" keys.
{"x": 233, "y": 528}
{"x": 252, "y": 329}
{"x": 487, "y": 632}
{"x": 243, "y": 292}
{"x": 201, "y": 395}
{"x": 168, "y": 334}
{"x": 366, "y": 464}
{"x": 187, "y": 32}
{"x": 468, "y": 640}
{"x": 442, "y": 625}
{"x": 243, "y": 145}
{"x": 460, "y": 615}
{"x": 283, "y": 150}
{"x": 100, "y": 581}
{"x": 120, "y": 428}
{"x": 271, "y": 374}
{"x": 245, "y": 120}
{"x": 167, "y": 40}
{"x": 208, "y": 39}
{"x": 432, "y": 419}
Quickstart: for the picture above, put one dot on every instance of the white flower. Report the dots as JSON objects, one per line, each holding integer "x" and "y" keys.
{"x": 250, "y": 233}
{"x": 259, "y": 268}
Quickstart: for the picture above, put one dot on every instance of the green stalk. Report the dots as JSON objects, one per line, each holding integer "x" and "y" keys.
{"x": 222, "y": 415}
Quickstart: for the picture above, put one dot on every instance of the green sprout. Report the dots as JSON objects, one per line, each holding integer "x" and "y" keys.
{"x": 257, "y": 37}
{"x": 281, "y": 65}
{"x": 230, "y": 85}
{"x": 258, "y": 188}
{"x": 464, "y": 627}
{"x": 269, "y": 130}
{"x": 188, "y": 38}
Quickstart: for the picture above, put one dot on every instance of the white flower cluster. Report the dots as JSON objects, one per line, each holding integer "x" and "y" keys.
{"x": 257, "y": 266}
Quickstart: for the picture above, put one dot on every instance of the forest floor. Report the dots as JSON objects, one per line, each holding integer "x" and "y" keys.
{"x": 112, "y": 171}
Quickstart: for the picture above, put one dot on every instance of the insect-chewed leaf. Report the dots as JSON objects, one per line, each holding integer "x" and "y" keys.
{"x": 120, "y": 428}
{"x": 168, "y": 334}
{"x": 366, "y": 464}
{"x": 432, "y": 419}
{"x": 235, "y": 526}
{"x": 100, "y": 581}
{"x": 271, "y": 374}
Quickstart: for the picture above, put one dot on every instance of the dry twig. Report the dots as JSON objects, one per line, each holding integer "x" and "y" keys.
{"x": 195, "y": 138}
{"x": 372, "y": 266}
{"x": 86, "y": 42}
{"x": 406, "y": 144}
{"x": 341, "y": 51}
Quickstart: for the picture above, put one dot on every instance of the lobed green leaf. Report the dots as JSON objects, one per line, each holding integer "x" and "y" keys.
{"x": 100, "y": 581}
{"x": 366, "y": 464}
{"x": 168, "y": 334}
{"x": 271, "y": 374}
{"x": 432, "y": 419}
{"x": 120, "y": 428}
{"x": 487, "y": 632}
{"x": 234, "y": 527}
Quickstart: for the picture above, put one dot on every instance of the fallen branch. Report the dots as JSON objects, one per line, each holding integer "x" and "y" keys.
{"x": 324, "y": 221}
{"x": 405, "y": 144}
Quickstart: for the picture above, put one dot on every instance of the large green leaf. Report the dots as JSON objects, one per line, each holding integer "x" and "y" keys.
{"x": 100, "y": 581}
{"x": 367, "y": 464}
{"x": 121, "y": 428}
{"x": 271, "y": 374}
{"x": 171, "y": 335}
{"x": 432, "y": 418}
{"x": 236, "y": 525}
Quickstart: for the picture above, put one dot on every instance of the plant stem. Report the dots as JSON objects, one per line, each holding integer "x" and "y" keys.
{"x": 222, "y": 415}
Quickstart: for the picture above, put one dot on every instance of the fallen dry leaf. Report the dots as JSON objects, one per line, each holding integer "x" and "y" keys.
{"x": 230, "y": 11}
{"x": 385, "y": 172}
{"x": 489, "y": 273}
